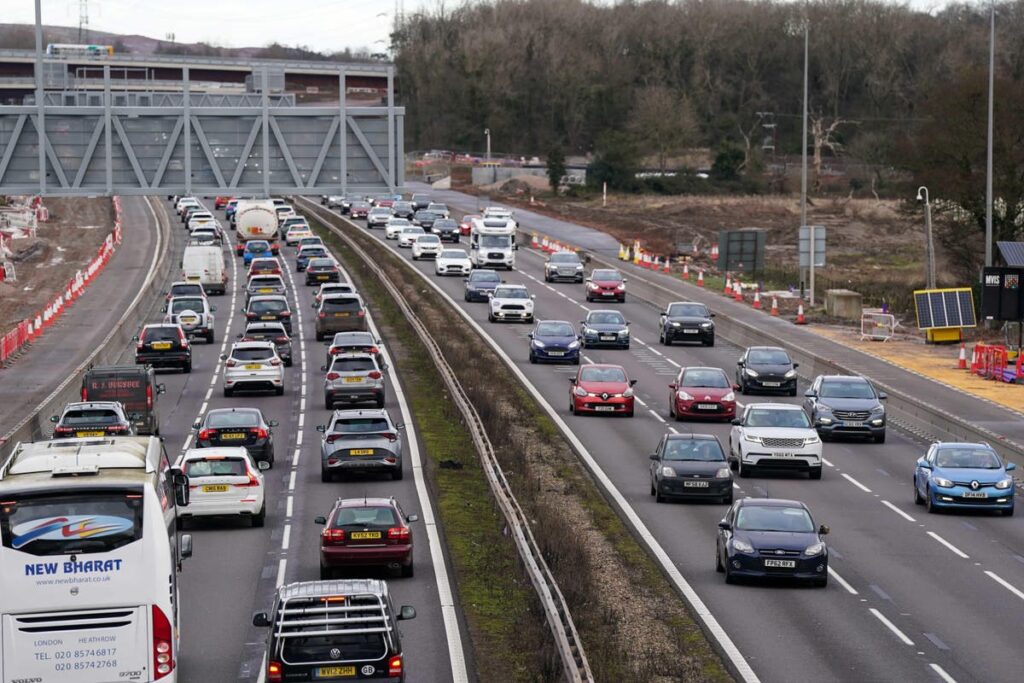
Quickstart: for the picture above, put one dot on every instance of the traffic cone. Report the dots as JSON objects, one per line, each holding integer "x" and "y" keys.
{"x": 962, "y": 364}
{"x": 533, "y": 241}
{"x": 975, "y": 359}
{"x": 757, "y": 299}
{"x": 800, "y": 319}
{"x": 668, "y": 265}
{"x": 728, "y": 285}
{"x": 544, "y": 246}
{"x": 622, "y": 253}
{"x": 700, "y": 278}
{"x": 775, "y": 306}
{"x": 686, "y": 272}
{"x": 655, "y": 263}
{"x": 737, "y": 291}
{"x": 714, "y": 252}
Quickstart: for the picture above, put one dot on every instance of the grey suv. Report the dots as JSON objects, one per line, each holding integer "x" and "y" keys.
{"x": 360, "y": 440}
{"x": 354, "y": 378}
{"x": 841, "y": 405}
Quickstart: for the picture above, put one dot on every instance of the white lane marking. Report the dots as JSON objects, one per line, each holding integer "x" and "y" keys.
{"x": 289, "y": 506}
{"x": 1005, "y": 584}
{"x": 286, "y": 536}
{"x": 298, "y": 435}
{"x": 891, "y": 626}
{"x": 676, "y": 431}
{"x": 202, "y": 408}
{"x": 895, "y": 509}
{"x": 672, "y": 362}
{"x": 282, "y": 565}
{"x": 592, "y": 362}
{"x": 640, "y": 400}
{"x": 302, "y": 416}
{"x": 188, "y": 439}
{"x": 295, "y": 457}
{"x": 935, "y": 667}
{"x": 952, "y": 548}
{"x": 291, "y": 480}
{"x": 824, "y": 460}
{"x": 657, "y": 417}
{"x": 841, "y": 581}
{"x": 856, "y": 483}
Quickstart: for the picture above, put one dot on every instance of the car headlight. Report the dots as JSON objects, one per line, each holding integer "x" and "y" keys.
{"x": 538, "y": 343}
{"x": 623, "y": 333}
{"x": 723, "y": 473}
{"x": 591, "y": 285}
{"x": 1004, "y": 484}
{"x": 942, "y": 482}
{"x": 574, "y": 344}
{"x": 825, "y": 420}
{"x": 620, "y": 288}
{"x": 707, "y": 325}
{"x": 668, "y": 472}
{"x": 579, "y": 266}
{"x": 729, "y": 397}
{"x": 742, "y": 546}
{"x": 579, "y": 392}
{"x": 878, "y": 410}
{"x": 815, "y": 549}
{"x": 822, "y": 408}
{"x": 791, "y": 374}
{"x": 628, "y": 393}
{"x": 811, "y": 440}
{"x": 750, "y": 373}
{"x": 677, "y": 324}
{"x": 751, "y": 438}
{"x": 683, "y": 396}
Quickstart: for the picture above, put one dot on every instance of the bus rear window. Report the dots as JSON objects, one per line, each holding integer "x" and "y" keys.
{"x": 81, "y": 523}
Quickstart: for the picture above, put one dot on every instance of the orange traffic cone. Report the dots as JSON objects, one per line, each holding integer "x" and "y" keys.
{"x": 533, "y": 242}
{"x": 962, "y": 364}
{"x": 757, "y": 299}
{"x": 668, "y": 265}
{"x": 686, "y": 272}
{"x": 728, "y": 285}
{"x": 975, "y": 359}
{"x": 737, "y": 291}
{"x": 775, "y": 306}
{"x": 800, "y": 319}
{"x": 700, "y": 278}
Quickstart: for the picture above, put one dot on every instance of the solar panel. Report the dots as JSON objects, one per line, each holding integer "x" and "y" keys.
{"x": 1012, "y": 252}
{"x": 938, "y": 308}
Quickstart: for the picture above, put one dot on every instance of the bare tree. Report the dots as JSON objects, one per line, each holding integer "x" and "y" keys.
{"x": 823, "y": 135}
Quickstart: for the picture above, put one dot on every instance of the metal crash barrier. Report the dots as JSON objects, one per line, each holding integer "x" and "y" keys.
{"x": 877, "y": 326}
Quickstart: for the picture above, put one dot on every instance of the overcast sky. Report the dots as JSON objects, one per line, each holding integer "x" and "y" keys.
{"x": 326, "y": 25}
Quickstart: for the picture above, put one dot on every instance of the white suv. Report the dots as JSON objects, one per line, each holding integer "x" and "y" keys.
{"x": 224, "y": 482}
{"x": 393, "y": 228}
{"x": 253, "y": 365}
{"x": 193, "y": 313}
{"x": 776, "y": 436}
{"x": 510, "y": 302}
{"x": 426, "y": 246}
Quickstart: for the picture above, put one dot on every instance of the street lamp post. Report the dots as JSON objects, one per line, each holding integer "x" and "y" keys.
{"x": 922, "y": 196}
{"x": 487, "y": 132}
{"x": 988, "y": 160}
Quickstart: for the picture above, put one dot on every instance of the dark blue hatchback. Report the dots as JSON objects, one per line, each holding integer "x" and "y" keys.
{"x": 480, "y": 283}
{"x": 555, "y": 341}
{"x": 771, "y": 538}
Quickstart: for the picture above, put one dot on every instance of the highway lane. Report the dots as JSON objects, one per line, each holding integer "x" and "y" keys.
{"x": 235, "y": 569}
{"x": 893, "y": 564}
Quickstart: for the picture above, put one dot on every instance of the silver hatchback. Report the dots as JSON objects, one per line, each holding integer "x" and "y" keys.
{"x": 354, "y": 378}
{"x": 254, "y": 366}
{"x": 360, "y": 440}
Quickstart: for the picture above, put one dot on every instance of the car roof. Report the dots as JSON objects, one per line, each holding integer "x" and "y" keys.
{"x": 963, "y": 444}
{"x": 844, "y": 378}
{"x": 602, "y": 365}
{"x": 702, "y": 367}
{"x": 235, "y": 409}
{"x": 512, "y": 285}
{"x": 117, "y": 369}
{"x": 775, "y": 406}
{"x": 767, "y": 348}
{"x": 341, "y": 296}
{"x": 772, "y": 502}
{"x": 364, "y": 502}
{"x": 698, "y": 303}
{"x": 353, "y": 355}
{"x": 692, "y": 437}
{"x": 258, "y": 326}
{"x": 363, "y": 412}
{"x": 269, "y": 297}
{"x": 216, "y": 452}
{"x": 603, "y": 310}
{"x": 151, "y": 326}
{"x": 184, "y": 282}
{"x": 93, "y": 405}
{"x": 253, "y": 345}
{"x": 354, "y": 333}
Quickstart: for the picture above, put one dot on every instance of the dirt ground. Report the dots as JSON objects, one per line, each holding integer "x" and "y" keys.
{"x": 63, "y": 245}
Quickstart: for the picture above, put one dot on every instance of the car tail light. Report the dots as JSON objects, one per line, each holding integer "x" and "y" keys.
{"x": 138, "y": 347}
{"x": 389, "y": 436}
{"x": 149, "y": 396}
{"x": 206, "y": 434}
{"x": 374, "y": 374}
{"x": 62, "y": 430}
{"x": 275, "y": 361}
{"x": 253, "y": 481}
{"x": 333, "y": 536}
{"x": 84, "y": 398}
{"x": 286, "y": 314}
{"x": 250, "y": 316}
{"x": 182, "y": 339}
{"x": 280, "y": 340}
{"x": 333, "y": 376}
{"x": 330, "y": 439}
{"x": 361, "y": 314}
{"x": 163, "y": 644}
{"x": 117, "y": 429}
{"x": 260, "y": 432}
{"x": 249, "y": 339}
{"x": 399, "y": 534}
{"x": 334, "y": 351}
{"x": 230, "y": 363}
{"x": 274, "y": 672}
{"x": 374, "y": 349}
{"x": 395, "y": 667}
{"x": 321, "y": 315}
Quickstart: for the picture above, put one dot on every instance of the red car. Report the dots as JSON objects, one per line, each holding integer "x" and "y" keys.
{"x": 602, "y": 389}
{"x": 606, "y": 284}
{"x": 702, "y": 393}
{"x": 466, "y": 224}
{"x": 362, "y": 532}
{"x": 221, "y": 202}
{"x": 264, "y": 266}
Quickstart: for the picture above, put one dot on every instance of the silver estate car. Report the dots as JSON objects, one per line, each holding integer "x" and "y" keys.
{"x": 360, "y": 440}
{"x": 253, "y": 366}
{"x": 354, "y": 378}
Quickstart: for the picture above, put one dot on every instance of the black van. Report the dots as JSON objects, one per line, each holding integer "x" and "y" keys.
{"x": 334, "y": 630}
{"x": 133, "y": 385}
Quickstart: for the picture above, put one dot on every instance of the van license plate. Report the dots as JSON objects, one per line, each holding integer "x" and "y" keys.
{"x": 780, "y": 564}
{"x": 215, "y": 488}
{"x": 335, "y": 671}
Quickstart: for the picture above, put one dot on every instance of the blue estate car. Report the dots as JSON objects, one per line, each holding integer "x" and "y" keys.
{"x": 556, "y": 341}
{"x": 969, "y": 476}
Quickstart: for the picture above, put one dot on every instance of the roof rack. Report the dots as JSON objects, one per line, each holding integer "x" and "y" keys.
{"x": 306, "y": 616}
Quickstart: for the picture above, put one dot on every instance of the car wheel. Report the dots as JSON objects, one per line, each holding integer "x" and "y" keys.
{"x": 928, "y": 505}
{"x": 718, "y": 561}
{"x": 319, "y": 336}
{"x": 533, "y": 359}
{"x": 187, "y": 367}
{"x": 397, "y": 474}
{"x": 279, "y": 391}
{"x": 658, "y": 498}
{"x": 228, "y": 391}
{"x": 820, "y": 583}
{"x": 465, "y": 296}
{"x": 880, "y": 438}
{"x": 727, "y": 500}
{"x": 260, "y": 518}
{"x": 710, "y": 341}
{"x": 184, "y": 523}
{"x": 918, "y": 500}
{"x": 576, "y": 360}
{"x": 743, "y": 387}
{"x": 653, "y": 489}
{"x": 626, "y": 347}
{"x": 379, "y": 402}
{"x": 815, "y": 473}
{"x": 209, "y": 337}
{"x": 407, "y": 570}
{"x": 1008, "y": 512}
{"x": 572, "y": 406}
{"x": 328, "y": 403}
{"x": 630, "y": 413}
{"x": 325, "y": 474}
{"x": 744, "y": 470}
{"x": 661, "y": 338}
{"x": 326, "y": 573}
{"x": 729, "y": 578}
{"x": 792, "y": 392}
{"x": 288, "y": 363}
{"x": 490, "y": 318}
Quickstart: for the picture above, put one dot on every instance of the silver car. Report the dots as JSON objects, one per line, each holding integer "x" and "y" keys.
{"x": 354, "y": 378}
{"x": 260, "y": 285}
{"x": 193, "y": 313}
{"x": 378, "y": 216}
{"x": 253, "y": 366}
{"x": 360, "y": 440}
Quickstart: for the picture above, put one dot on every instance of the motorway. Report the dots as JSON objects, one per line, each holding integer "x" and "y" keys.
{"x": 235, "y": 569}
{"x": 913, "y": 597}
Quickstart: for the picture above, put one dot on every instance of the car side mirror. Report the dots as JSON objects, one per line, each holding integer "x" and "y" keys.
{"x": 711, "y": 315}
{"x": 135, "y": 339}
{"x": 322, "y": 429}
{"x": 239, "y": 336}
{"x": 260, "y": 620}
{"x": 809, "y": 394}
{"x": 313, "y": 305}
{"x": 530, "y": 335}
{"x": 163, "y": 309}
{"x": 796, "y": 365}
{"x": 739, "y": 363}
{"x": 725, "y": 525}
{"x": 185, "y": 547}
{"x": 654, "y": 456}
{"x": 223, "y": 356}
{"x": 673, "y": 386}
{"x": 320, "y": 520}
{"x": 413, "y": 518}
{"x": 572, "y": 380}
{"x": 624, "y": 280}
{"x": 213, "y": 309}
{"x": 273, "y": 423}
{"x": 323, "y": 368}
{"x": 161, "y": 389}
{"x": 737, "y": 421}
{"x": 262, "y": 465}
{"x": 735, "y": 387}
{"x": 407, "y": 612}
{"x": 54, "y": 418}
{"x": 628, "y": 323}
{"x": 197, "y": 424}
{"x": 823, "y": 530}
{"x": 882, "y": 396}
{"x": 242, "y": 311}
{"x": 632, "y": 382}
{"x": 924, "y": 464}
{"x": 533, "y": 296}
{"x": 1010, "y": 467}
{"x": 465, "y": 279}
{"x": 589, "y": 280}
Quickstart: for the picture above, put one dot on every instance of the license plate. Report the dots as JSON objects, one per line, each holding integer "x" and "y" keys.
{"x": 265, "y": 290}
{"x": 695, "y": 484}
{"x": 161, "y": 346}
{"x": 707, "y": 406}
{"x": 604, "y": 408}
{"x": 361, "y": 451}
{"x": 189, "y": 319}
{"x": 784, "y": 455}
{"x": 607, "y": 337}
{"x": 322, "y": 277}
{"x": 341, "y": 315}
{"x": 91, "y": 433}
{"x": 236, "y": 436}
{"x": 780, "y": 564}
{"x": 335, "y": 671}
{"x": 192, "y": 278}
{"x": 353, "y": 380}
{"x": 607, "y": 293}
{"x": 975, "y": 494}
{"x": 772, "y": 384}
{"x": 849, "y": 423}
{"x": 253, "y": 366}
{"x": 215, "y": 488}
{"x": 689, "y": 331}
{"x": 556, "y": 353}
{"x": 364, "y": 535}
{"x": 268, "y": 317}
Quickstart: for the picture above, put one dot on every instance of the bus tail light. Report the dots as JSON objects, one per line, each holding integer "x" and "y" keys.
{"x": 163, "y": 644}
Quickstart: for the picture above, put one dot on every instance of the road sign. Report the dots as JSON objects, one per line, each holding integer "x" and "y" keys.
{"x": 819, "y": 246}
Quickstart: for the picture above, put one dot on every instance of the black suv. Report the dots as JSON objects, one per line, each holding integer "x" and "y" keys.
{"x": 133, "y": 386}
{"x": 163, "y": 346}
{"x": 686, "y": 321}
{"x": 841, "y": 405}
{"x": 334, "y": 630}
{"x": 766, "y": 368}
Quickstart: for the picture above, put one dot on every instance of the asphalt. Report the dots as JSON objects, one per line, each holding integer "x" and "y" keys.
{"x": 52, "y": 357}
{"x": 913, "y": 597}
{"x": 234, "y": 569}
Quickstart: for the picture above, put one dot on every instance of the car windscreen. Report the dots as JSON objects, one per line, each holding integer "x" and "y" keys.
{"x": 334, "y": 289}
{"x": 413, "y": 231}
{"x": 65, "y": 524}
{"x": 846, "y": 389}
{"x": 353, "y": 365}
{"x": 498, "y": 241}
{"x": 179, "y": 305}
{"x": 381, "y": 516}
{"x": 699, "y": 450}
{"x": 268, "y": 306}
{"x": 606, "y": 318}
{"x": 258, "y": 282}
{"x": 768, "y": 357}
{"x": 310, "y": 252}
{"x": 335, "y": 305}
{"x": 606, "y": 275}
{"x": 795, "y": 419}
{"x": 602, "y": 375}
{"x": 90, "y": 416}
{"x": 152, "y": 334}
{"x": 687, "y": 311}
{"x": 306, "y": 241}
{"x": 425, "y": 216}
{"x": 446, "y": 224}
{"x": 315, "y": 263}
{"x": 399, "y": 222}
{"x": 565, "y": 258}
{"x": 705, "y": 378}
{"x": 437, "y": 208}
{"x": 353, "y": 338}
{"x": 454, "y": 254}
{"x": 361, "y": 425}
{"x": 554, "y": 330}
{"x": 219, "y": 467}
{"x": 252, "y": 354}
{"x": 968, "y": 458}
{"x": 511, "y": 293}
{"x": 234, "y": 418}
{"x": 770, "y": 518}
{"x": 257, "y": 245}
{"x": 429, "y": 239}
{"x": 478, "y": 276}
{"x": 185, "y": 290}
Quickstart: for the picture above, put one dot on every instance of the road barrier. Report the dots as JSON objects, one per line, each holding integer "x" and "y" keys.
{"x": 877, "y": 326}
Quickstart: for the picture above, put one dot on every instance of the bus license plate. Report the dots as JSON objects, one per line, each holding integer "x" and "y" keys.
{"x": 361, "y": 451}
{"x": 215, "y": 488}
{"x": 335, "y": 671}
{"x": 780, "y": 564}
{"x": 364, "y": 535}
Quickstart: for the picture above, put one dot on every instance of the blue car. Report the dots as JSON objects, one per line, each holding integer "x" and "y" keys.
{"x": 554, "y": 340}
{"x": 604, "y": 328}
{"x": 307, "y": 253}
{"x": 968, "y": 476}
{"x": 770, "y": 538}
{"x": 480, "y": 283}
{"x": 256, "y": 249}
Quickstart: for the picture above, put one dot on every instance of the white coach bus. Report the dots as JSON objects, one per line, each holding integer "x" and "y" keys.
{"x": 89, "y": 561}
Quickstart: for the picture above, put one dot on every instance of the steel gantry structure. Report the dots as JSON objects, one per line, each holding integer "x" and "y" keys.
{"x": 257, "y": 143}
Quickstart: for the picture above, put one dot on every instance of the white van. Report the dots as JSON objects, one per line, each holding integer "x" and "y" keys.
{"x": 205, "y": 264}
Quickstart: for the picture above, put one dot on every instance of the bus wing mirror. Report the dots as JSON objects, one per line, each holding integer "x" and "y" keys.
{"x": 186, "y": 546}
{"x": 181, "y": 491}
